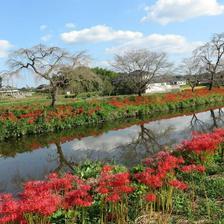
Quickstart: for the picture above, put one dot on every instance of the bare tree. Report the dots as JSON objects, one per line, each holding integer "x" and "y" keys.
{"x": 192, "y": 70}
{"x": 1, "y": 80}
{"x": 210, "y": 57}
{"x": 140, "y": 66}
{"x": 46, "y": 62}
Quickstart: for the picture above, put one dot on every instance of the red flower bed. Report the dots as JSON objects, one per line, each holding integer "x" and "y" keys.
{"x": 32, "y": 113}
{"x": 203, "y": 143}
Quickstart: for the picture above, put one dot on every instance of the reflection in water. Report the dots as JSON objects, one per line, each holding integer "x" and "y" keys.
{"x": 63, "y": 163}
{"x": 217, "y": 120}
{"x": 125, "y": 146}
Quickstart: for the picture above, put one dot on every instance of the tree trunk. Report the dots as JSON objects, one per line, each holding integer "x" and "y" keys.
{"x": 139, "y": 93}
{"x": 53, "y": 96}
{"x": 212, "y": 81}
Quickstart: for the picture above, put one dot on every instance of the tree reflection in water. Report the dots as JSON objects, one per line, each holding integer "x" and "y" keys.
{"x": 147, "y": 142}
{"x": 217, "y": 120}
{"x": 63, "y": 163}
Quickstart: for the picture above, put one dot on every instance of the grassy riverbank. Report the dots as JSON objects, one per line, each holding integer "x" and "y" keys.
{"x": 16, "y": 121}
{"x": 33, "y": 142}
{"x": 180, "y": 185}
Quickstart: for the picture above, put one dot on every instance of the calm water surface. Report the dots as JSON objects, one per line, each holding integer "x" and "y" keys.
{"x": 35, "y": 157}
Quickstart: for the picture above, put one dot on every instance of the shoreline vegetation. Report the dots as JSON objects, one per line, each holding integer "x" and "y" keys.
{"x": 180, "y": 185}
{"x": 34, "y": 142}
{"x": 17, "y": 121}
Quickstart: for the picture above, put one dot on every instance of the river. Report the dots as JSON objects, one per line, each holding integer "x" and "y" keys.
{"x": 126, "y": 142}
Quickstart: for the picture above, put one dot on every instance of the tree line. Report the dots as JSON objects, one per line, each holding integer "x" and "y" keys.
{"x": 132, "y": 71}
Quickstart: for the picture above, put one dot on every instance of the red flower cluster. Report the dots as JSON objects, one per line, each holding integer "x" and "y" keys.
{"x": 150, "y": 197}
{"x": 203, "y": 143}
{"x": 7, "y": 116}
{"x": 193, "y": 168}
{"x": 79, "y": 197}
{"x": 178, "y": 184}
{"x": 113, "y": 186}
{"x": 43, "y": 198}
{"x": 9, "y": 209}
{"x": 33, "y": 114}
{"x": 160, "y": 165}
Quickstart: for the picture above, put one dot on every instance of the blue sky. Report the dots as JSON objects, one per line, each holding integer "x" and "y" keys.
{"x": 106, "y": 27}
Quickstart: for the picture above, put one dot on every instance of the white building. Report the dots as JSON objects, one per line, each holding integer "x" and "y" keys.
{"x": 10, "y": 92}
{"x": 161, "y": 87}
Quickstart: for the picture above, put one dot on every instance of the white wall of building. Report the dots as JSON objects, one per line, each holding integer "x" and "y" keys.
{"x": 161, "y": 87}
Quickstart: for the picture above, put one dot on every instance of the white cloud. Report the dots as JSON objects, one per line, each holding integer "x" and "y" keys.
{"x": 99, "y": 33}
{"x": 70, "y": 25}
{"x": 5, "y": 46}
{"x": 170, "y": 43}
{"x": 102, "y": 64}
{"x": 43, "y": 27}
{"x": 46, "y": 37}
{"x": 168, "y": 11}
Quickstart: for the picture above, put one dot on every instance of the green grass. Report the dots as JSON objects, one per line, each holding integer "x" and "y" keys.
{"x": 35, "y": 99}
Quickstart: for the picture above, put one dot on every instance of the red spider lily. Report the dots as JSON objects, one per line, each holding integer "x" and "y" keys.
{"x": 162, "y": 163}
{"x": 153, "y": 181}
{"x": 113, "y": 186}
{"x": 79, "y": 197}
{"x": 64, "y": 183}
{"x": 202, "y": 143}
{"x": 192, "y": 168}
{"x": 33, "y": 114}
{"x": 150, "y": 197}
{"x": 107, "y": 168}
{"x": 178, "y": 184}
{"x": 168, "y": 163}
{"x": 79, "y": 110}
{"x": 114, "y": 197}
{"x": 117, "y": 104}
{"x": 218, "y": 134}
{"x": 8, "y": 116}
{"x": 30, "y": 121}
{"x": 168, "y": 97}
{"x": 45, "y": 203}
{"x": 10, "y": 209}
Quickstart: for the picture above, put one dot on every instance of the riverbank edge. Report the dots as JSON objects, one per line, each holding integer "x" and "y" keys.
{"x": 22, "y": 128}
